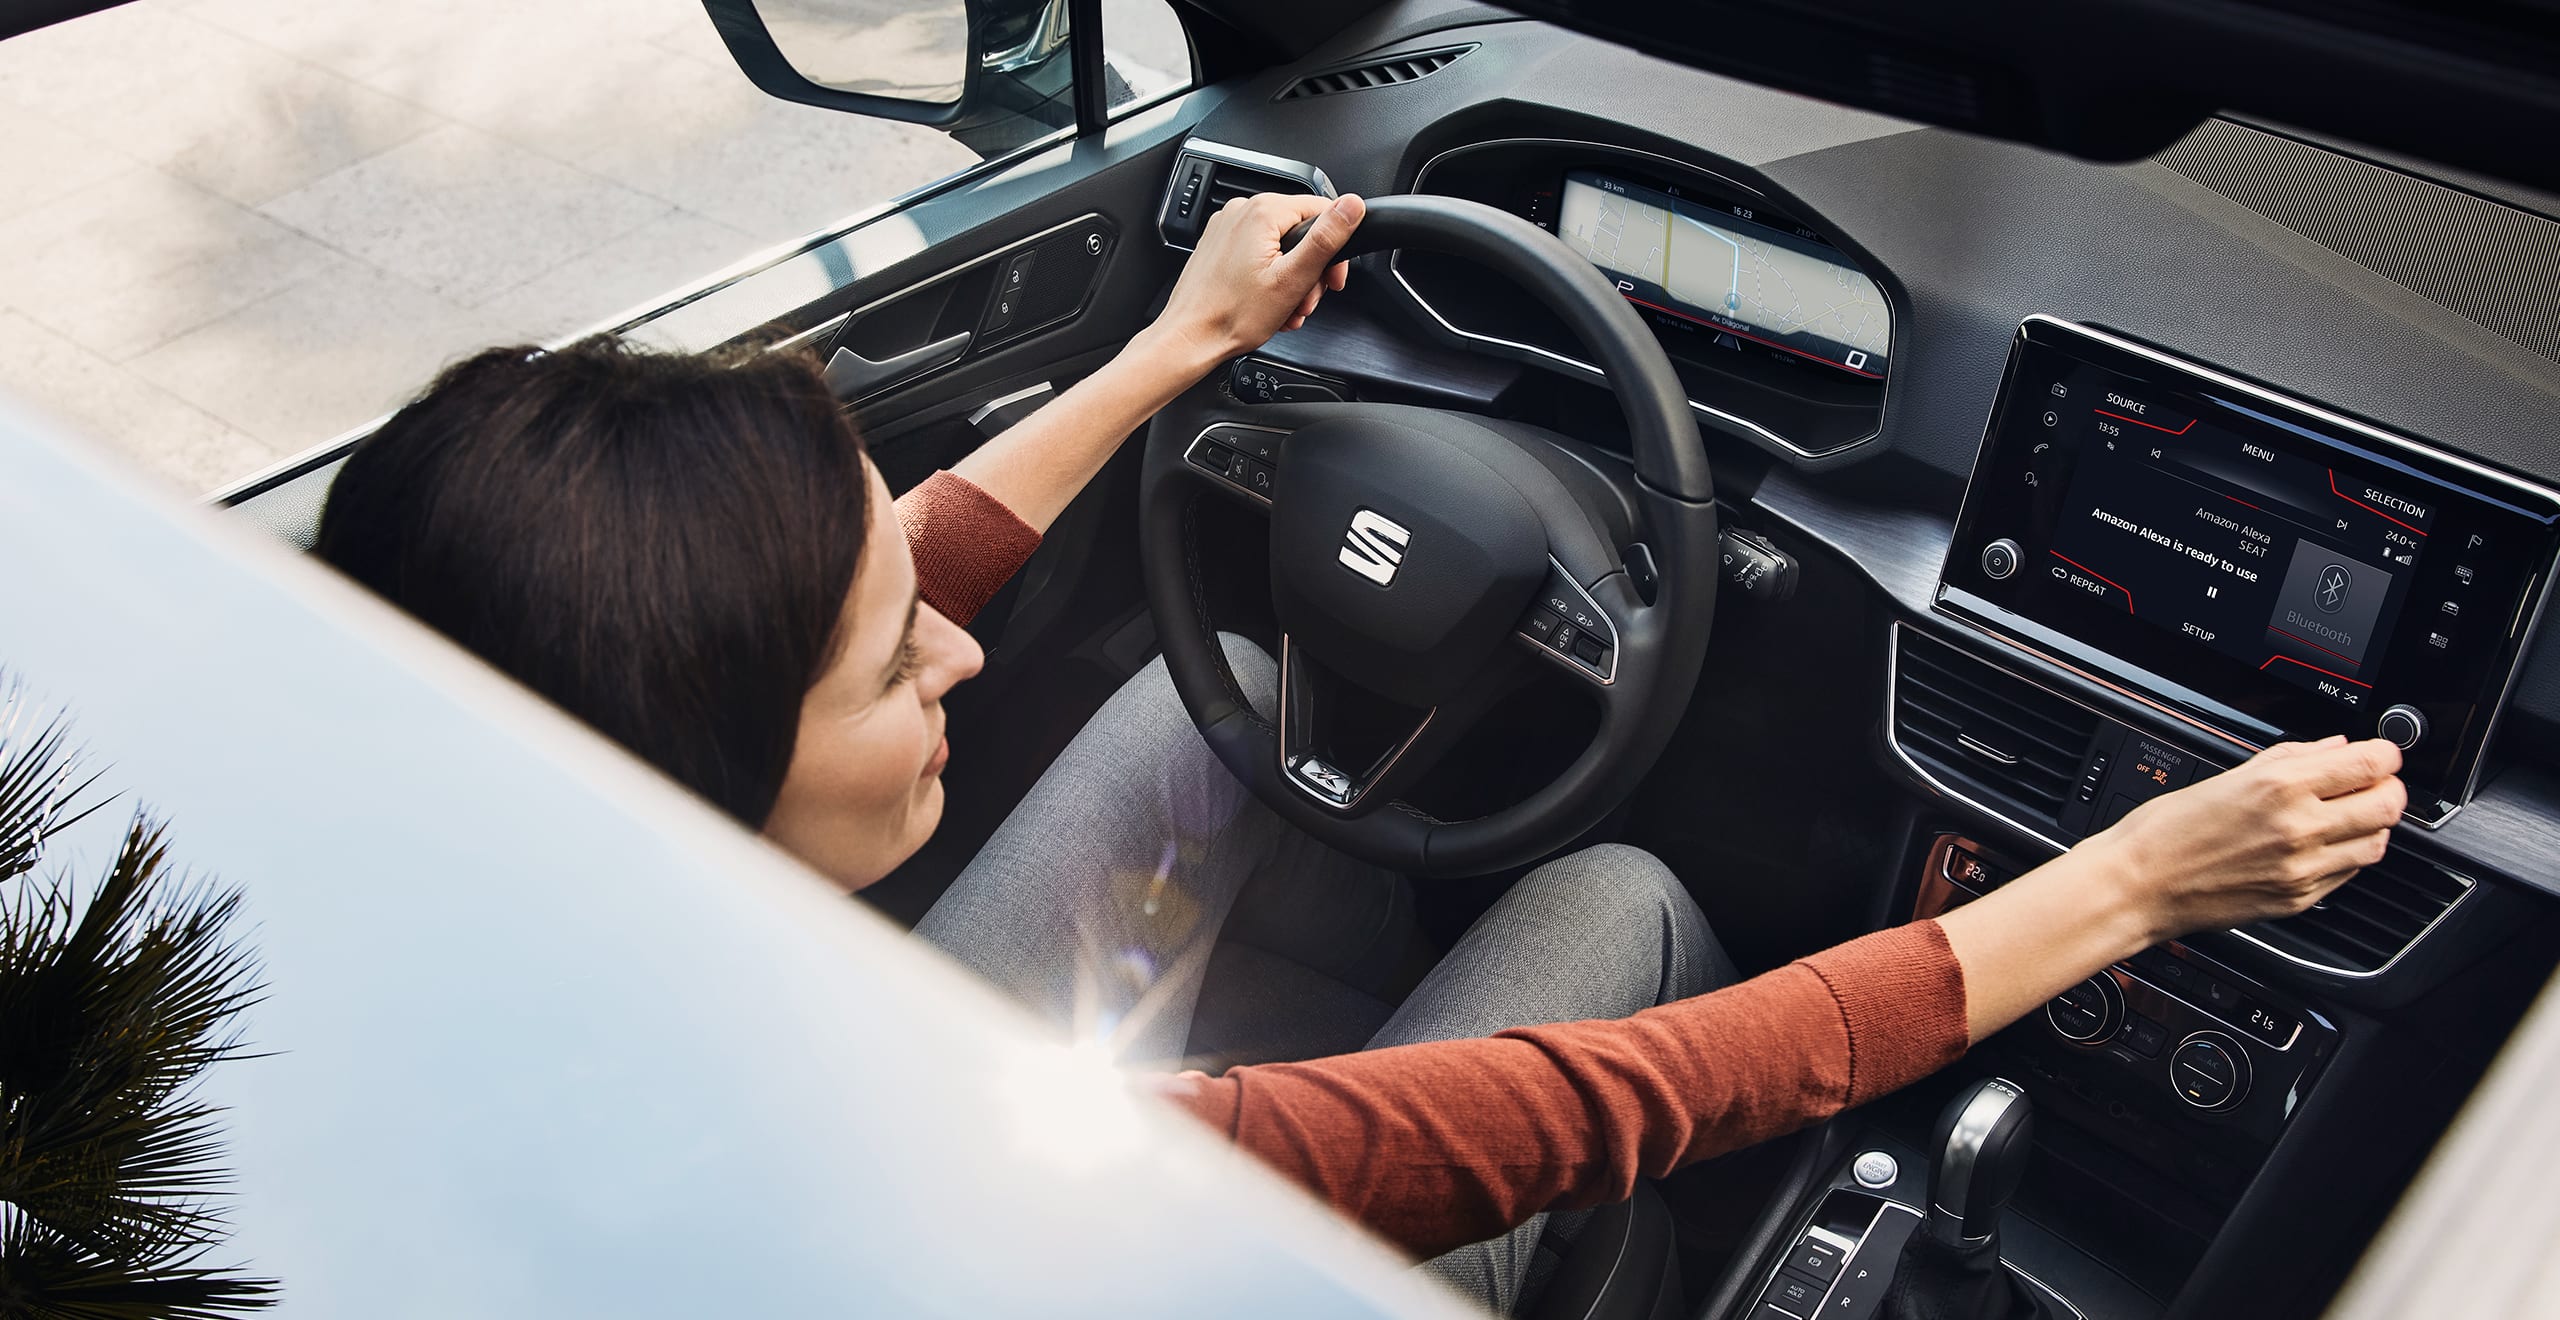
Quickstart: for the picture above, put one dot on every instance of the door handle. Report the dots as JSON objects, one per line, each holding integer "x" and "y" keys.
{"x": 851, "y": 375}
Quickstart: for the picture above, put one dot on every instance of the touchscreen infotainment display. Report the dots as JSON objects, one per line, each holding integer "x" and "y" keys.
{"x": 1719, "y": 269}
{"x": 2247, "y": 559}
{"x": 2251, "y": 550}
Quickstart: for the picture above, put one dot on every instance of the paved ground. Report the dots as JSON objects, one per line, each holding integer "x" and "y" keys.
{"x": 230, "y": 229}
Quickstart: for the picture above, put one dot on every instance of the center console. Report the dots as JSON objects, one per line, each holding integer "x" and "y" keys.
{"x": 2186, "y": 1065}
{"x": 2251, "y": 564}
{"x": 2158, "y": 569}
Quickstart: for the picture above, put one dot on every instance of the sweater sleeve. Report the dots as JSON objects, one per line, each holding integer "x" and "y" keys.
{"x": 966, "y": 544}
{"x": 1441, "y": 1144}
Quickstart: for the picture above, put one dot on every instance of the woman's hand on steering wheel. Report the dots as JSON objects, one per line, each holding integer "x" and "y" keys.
{"x": 1240, "y": 288}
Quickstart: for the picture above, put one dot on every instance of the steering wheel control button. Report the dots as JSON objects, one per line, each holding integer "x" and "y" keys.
{"x": 1244, "y": 457}
{"x": 2403, "y": 725}
{"x": 2000, "y": 559}
{"x": 1566, "y": 624}
{"x": 1875, "y": 1170}
{"x": 2209, "y": 1070}
{"x": 1255, "y": 441}
{"x": 2087, "y": 1013}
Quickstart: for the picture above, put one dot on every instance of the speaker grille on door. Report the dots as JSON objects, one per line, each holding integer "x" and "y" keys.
{"x": 1962, "y": 717}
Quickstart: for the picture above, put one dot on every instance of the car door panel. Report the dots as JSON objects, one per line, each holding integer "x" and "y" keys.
{"x": 803, "y": 294}
{"x": 1012, "y": 293}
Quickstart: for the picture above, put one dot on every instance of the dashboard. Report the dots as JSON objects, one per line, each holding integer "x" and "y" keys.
{"x": 2255, "y": 564}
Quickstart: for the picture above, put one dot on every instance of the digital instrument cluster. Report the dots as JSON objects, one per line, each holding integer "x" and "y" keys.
{"x": 2249, "y": 560}
{"x": 1779, "y": 335}
{"x": 1710, "y": 266}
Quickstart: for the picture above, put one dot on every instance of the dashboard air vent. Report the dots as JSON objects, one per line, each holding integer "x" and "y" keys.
{"x": 1388, "y": 72}
{"x": 1208, "y": 175}
{"x": 1962, "y": 717}
{"x": 2370, "y": 920}
{"x": 1229, "y": 182}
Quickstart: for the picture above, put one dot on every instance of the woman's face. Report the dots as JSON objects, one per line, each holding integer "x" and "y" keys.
{"x": 864, "y": 790}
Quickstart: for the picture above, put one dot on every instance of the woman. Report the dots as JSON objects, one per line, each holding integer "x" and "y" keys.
{"x": 697, "y": 558}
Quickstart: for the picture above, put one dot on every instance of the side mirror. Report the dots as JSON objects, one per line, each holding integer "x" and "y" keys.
{"x": 992, "y": 73}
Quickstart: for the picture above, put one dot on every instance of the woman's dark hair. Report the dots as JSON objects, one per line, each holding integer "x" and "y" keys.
{"x": 659, "y": 543}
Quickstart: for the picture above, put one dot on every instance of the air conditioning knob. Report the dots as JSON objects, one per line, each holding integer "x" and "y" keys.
{"x": 2402, "y": 725}
{"x": 2210, "y": 1071}
{"x": 2088, "y": 1013}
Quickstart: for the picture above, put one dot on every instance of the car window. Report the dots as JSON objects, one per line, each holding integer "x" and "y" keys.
{"x": 1146, "y": 48}
{"x": 236, "y": 228}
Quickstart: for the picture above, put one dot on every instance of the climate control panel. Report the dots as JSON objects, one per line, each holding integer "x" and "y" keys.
{"x": 2170, "y": 1031}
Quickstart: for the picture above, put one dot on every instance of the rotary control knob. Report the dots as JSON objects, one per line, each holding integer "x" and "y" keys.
{"x": 2087, "y": 1013}
{"x": 2000, "y": 559}
{"x": 2209, "y": 1070}
{"x": 2402, "y": 725}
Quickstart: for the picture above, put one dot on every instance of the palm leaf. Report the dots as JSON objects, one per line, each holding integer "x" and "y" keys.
{"x": 38, "y": 797}
{"x": 110, "y": 1012}
{"x": 44, "y": 1276}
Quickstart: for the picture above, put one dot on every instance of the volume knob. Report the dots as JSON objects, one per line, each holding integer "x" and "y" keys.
{"x": 2402, "y": 725}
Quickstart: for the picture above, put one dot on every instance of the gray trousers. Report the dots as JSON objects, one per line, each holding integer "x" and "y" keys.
{"x": 1138, "y": 870}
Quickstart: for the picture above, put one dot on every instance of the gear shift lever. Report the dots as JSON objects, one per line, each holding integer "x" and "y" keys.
{"x": 1950, "y": 1269}
{"x": 1979, "y": 1155}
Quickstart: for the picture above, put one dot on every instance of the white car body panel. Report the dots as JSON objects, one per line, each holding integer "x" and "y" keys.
{"x": 545, "y": 1036}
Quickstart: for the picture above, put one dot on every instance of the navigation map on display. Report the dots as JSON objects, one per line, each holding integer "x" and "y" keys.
{"x": 1703, "y": 265}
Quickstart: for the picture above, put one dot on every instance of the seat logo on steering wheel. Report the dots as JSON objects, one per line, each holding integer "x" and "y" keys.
{"x": 1373, "y": 546}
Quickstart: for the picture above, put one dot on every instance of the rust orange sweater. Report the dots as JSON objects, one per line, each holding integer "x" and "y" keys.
{"x": 966, "y": 545}
{"x": 1442, "y": 1144}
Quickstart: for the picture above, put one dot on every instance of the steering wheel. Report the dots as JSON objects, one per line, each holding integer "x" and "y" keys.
{"x": 1430, "y": 557}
